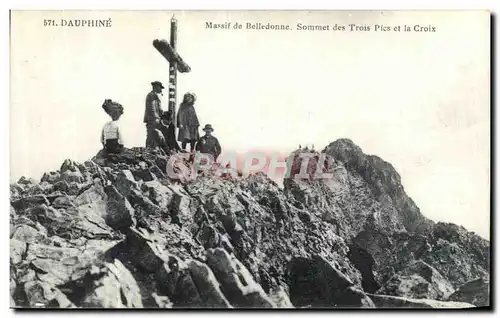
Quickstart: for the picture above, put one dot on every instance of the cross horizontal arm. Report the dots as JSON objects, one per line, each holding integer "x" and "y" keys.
{"x": 171, "y": 55}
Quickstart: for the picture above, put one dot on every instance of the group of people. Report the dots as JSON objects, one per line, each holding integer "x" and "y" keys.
{"x": 160, "y": 128}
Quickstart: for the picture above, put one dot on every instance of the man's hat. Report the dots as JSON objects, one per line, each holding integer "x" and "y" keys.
{"x": 208, "y": 127}
{"x": 157, "y": 83}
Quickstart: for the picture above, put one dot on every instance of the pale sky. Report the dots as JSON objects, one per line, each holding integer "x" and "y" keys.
{"x": 418, "y": 100}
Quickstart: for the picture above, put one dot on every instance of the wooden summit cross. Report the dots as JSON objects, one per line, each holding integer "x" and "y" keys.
{"x": 167, "y": 50}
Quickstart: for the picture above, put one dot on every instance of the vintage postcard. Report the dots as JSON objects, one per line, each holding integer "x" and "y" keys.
{"x": 250, "y": 159}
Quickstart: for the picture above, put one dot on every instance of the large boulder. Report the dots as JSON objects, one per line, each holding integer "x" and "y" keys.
{"x": 418, "y": 280}
{"x": 116, "y": 288}
{"x": 82, "y": 221}
{"x": 72, "y": 166}
{"x": 125, "y": 183}
{"x": 205, "y": 285}
{"x": 476, "y": 292}
{"x": 27, "y": 181}
{"x": 58, "y": 265}
{"x": 180, "y": 211}
{"x": 158, "y": 193}
{"x": 119, "y": 213}
{"x": 316, "y": 282}
{"x": 51, "y": 177}
{"x": 236, "y": 281}
{"x": 26, "y": 203}
{"x": 17, "y": 251}
{"x": 28, "y": 234}
{"x": 144, "y": 250}
{"x": 44, "y": 295}
{"x": 279, "y": 296}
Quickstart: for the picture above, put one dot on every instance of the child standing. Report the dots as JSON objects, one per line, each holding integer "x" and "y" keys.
{"x": 209, "y": 144}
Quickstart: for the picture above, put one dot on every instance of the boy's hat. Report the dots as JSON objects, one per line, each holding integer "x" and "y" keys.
{"x": 208, "y": 127}
{"x": 166, "y": 114}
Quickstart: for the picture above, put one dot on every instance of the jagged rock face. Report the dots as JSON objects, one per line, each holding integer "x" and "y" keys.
{"x": 118, "y": 232}
{"x": 380, "y": 182}
{"x": 457, "y": 260}
{"x": 394, "y": 232}
{"x": 264, "y": 229}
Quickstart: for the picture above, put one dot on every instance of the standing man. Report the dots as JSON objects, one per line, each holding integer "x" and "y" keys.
{"x": 152, "y": 115}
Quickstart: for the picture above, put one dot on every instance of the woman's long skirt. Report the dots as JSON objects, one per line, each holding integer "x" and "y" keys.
{"x": 188, "y": 134}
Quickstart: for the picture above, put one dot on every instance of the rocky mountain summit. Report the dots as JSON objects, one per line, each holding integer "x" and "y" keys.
{"x": 121, "y": 234}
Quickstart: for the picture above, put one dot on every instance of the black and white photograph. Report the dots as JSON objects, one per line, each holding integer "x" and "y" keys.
{"x": 250, "y": 159}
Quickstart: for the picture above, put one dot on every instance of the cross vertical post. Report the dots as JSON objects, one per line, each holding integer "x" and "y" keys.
{"x": 172, "y": 86}
{"x": 176, "y": 64}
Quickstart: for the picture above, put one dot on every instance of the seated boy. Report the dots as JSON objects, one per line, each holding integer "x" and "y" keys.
{"x": 111, "y": 137}
{"x": 209, "y": 144}
{"x": 167, "y": 128}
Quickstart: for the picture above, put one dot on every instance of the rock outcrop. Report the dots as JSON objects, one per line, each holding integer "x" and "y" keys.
{"x": 476, "y": 292}
{"x": 119, "y": 232}
{"x": 418, "y": 280}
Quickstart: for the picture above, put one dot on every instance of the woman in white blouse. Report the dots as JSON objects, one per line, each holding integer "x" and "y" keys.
{"x": 111, "y": 137}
